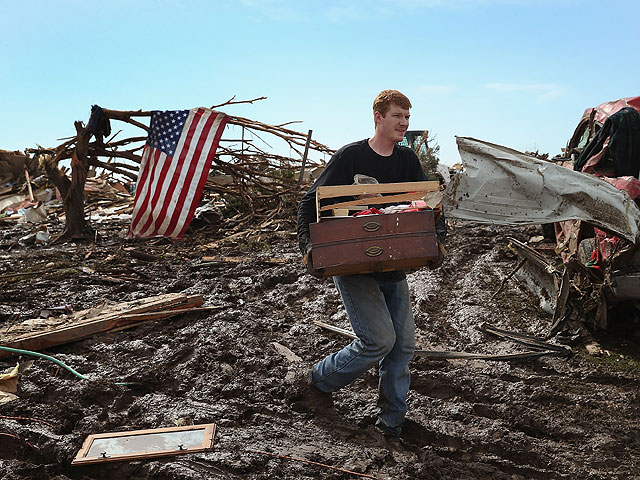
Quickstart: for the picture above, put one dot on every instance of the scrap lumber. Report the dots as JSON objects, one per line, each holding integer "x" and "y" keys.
{"x": 39, "y": 334}
{"x": 402, "y": 192}
{"x": 269, "y": 260}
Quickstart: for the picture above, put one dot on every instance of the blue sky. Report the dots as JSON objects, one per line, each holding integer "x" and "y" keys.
{"x": 514, "y": 72}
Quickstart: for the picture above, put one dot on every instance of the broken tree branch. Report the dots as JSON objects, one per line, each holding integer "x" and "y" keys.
{"x": 285, "y": 457}
{"x": 232, "y": 102}
{"x": 504, "y": 280}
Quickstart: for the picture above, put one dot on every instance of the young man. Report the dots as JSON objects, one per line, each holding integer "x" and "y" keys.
{"x": 378, "y": 305}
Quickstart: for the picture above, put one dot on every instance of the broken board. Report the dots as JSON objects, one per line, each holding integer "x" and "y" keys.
{"x": 41, "y": 333}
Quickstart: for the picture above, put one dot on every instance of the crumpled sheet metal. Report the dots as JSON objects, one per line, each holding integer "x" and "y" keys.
{"x": 503, "y": 186}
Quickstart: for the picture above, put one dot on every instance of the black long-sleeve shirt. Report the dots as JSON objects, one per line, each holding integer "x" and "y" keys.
{"x": 359, "y": 158}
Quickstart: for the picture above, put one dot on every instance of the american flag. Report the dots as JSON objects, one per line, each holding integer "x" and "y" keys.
{"x": 174, "y": 167}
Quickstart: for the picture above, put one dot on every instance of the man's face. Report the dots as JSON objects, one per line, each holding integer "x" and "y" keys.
{"x": 394, "y": 124}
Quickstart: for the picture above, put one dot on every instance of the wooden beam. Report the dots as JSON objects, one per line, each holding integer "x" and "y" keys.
{"x": 406, "y": 197}
{"x": 118, "y": 316}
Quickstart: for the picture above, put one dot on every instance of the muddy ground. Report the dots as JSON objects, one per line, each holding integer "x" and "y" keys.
{"x": 543, "y": 419}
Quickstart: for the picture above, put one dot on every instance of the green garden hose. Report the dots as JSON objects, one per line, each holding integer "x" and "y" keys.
{"x": 50, "y": 358}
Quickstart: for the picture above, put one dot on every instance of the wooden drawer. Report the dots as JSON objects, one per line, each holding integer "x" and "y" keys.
{"x": 375, "y": 243}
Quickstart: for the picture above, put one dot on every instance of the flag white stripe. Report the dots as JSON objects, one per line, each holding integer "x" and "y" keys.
{"x": 144, "y": 189}
{"x": 181, "y": 185}
{"x": 154, "y": 210}
{"x": 197, "y": 174}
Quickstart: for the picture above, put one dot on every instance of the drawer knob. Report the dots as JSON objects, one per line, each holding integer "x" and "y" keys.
{"x": 374, "y": 251}
{"x": 371, "y": 226}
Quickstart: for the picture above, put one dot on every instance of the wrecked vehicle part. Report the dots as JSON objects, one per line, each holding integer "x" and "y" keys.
{"x": 526, "y": 340}
{"x": 569, "y": 291}
{"x": 503, "y": 186}
{"x": 541, "y": 347}
{"x": 615, "y": 150}
{"x": 591, "y": 243}
{"x": 538, "y": 274}
{"x": 606, "y": 144}
{"x": 590, "y": 124}
{"x": 625, "y": 286}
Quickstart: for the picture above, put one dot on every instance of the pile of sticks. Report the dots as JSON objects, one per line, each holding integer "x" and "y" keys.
{"x": 257, "y": 181}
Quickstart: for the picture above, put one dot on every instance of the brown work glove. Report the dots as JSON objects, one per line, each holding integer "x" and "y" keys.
{"x": 307, "y": 259}
{"x": 437, "y": 262}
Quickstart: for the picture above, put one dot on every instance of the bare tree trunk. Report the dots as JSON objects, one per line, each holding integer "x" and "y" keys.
{"x": 72, "y": 191}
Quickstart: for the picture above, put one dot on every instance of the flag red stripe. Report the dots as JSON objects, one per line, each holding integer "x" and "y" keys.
{"x": 189, "y": 179}
{"x": 143, "y": 188}
{"x": 159, "y": 206}
{"x": 203, "y": 176}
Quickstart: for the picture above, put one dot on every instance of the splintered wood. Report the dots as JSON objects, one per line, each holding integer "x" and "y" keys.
{"x": 41, "y": 333}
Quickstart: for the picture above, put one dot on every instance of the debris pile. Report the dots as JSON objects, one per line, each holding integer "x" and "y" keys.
{"x": 595, "y": 264}
{"x": 247, "y": 176}
{"x": 230, "y": 365}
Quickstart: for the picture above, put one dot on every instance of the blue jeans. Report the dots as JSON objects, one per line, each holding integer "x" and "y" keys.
{"x": 381, "y": 317}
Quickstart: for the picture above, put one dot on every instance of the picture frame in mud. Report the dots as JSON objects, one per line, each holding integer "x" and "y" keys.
{"x": 141, "y": 444}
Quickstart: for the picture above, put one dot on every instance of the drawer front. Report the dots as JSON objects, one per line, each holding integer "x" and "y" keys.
{"x": 345, "y": 229}
{"x": 365, "y": 255}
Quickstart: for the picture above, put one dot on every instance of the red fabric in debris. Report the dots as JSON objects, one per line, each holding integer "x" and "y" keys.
{"x": 368, "y": 211}
{"x": 606, "y": 243}
{"x": 631, "y": 185}
{"x": 596, "y": 260}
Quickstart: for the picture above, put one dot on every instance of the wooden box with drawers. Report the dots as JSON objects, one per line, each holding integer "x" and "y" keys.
{"x": 374, "y": 243}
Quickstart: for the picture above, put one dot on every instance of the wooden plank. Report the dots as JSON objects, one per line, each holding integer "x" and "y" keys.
{"x": 406, "y": 197}
{"x": 135, "y": 306}
{"x": 332, "y": 191}
{"x": 173, "y": 304}
{"x": 274, "y": 260}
